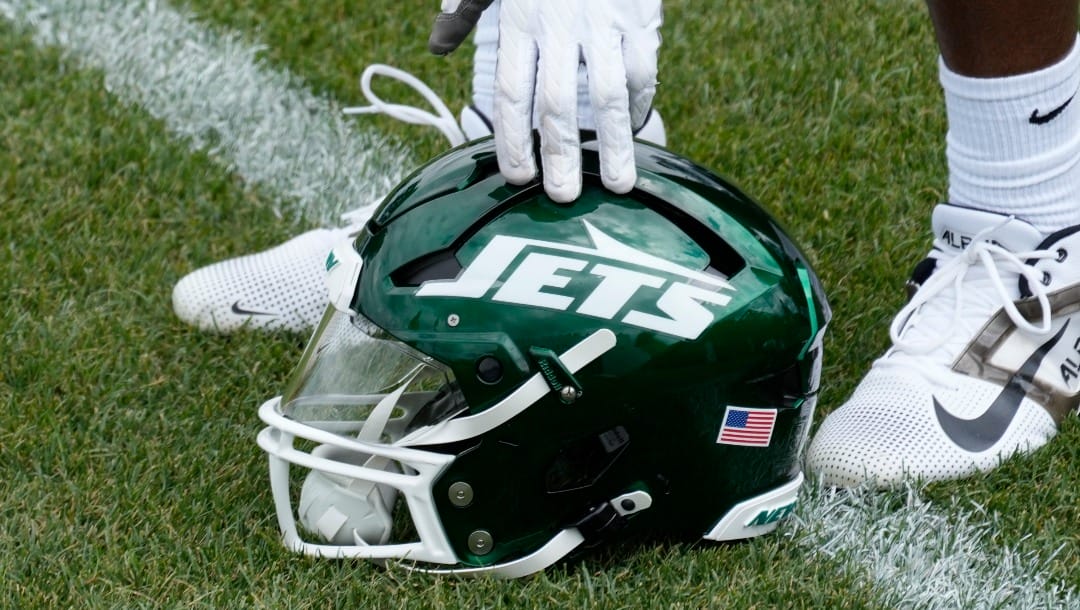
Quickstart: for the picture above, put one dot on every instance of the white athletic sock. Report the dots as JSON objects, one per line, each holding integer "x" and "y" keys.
{"x": 487, "y": 46}
{"x": 1013, "y": 145}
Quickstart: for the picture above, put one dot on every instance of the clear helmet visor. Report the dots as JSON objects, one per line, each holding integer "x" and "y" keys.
{"x": 358, "y": 380}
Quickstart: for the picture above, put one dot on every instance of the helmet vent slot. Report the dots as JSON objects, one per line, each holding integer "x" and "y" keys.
{"x": 724, "y": 260}
{"x": 439, "y": 265}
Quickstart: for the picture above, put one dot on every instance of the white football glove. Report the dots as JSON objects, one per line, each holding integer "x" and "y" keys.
{"x": 541, "y": 43}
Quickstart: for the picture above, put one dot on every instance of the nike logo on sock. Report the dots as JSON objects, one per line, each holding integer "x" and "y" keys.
{"x": 1037, "y": 119}
{"x": 981, "y": 433}
{"x": 240, "y": 311}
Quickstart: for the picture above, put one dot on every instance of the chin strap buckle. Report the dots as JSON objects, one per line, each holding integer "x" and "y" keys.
{"x": 612, "y": 515}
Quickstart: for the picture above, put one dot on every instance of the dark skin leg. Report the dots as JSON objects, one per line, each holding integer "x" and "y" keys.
{"x": 989, "y": 38}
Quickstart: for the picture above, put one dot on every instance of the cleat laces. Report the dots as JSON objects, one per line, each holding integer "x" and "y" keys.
{"x": 953, "y": 304}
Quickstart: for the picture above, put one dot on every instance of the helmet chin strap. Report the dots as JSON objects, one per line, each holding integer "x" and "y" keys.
{"x": 599, "y": 519}
{"x": 460, "y": 428}
{"x": 347, "y": 511}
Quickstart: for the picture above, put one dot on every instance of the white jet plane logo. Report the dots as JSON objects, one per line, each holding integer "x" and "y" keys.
{"x": 682, "y": 292}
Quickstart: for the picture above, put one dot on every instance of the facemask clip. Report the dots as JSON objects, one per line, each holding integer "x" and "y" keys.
{"x": 555, "y": 373}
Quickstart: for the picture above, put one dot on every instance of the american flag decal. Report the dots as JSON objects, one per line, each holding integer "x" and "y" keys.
{"x": 748, "y": 427}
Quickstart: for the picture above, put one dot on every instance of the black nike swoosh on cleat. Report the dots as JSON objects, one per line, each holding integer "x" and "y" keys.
{"x": 1037, "y": 119}
{"x": 981, "y": 433}
{"x": 240, "y": 311}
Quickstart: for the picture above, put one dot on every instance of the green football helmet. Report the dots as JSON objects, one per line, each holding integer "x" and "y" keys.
{"x": 502, "y": 381}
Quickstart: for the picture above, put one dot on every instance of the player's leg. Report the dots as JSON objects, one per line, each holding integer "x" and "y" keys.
{"x": 973, "y": 377}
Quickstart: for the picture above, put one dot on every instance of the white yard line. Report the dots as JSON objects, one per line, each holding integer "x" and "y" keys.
{"x": 917, "y": 555}
{"x": 212, "y": 90}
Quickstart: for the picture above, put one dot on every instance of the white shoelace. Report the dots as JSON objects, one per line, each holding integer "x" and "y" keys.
{"x": 442, "y": 119}
{"x": 929, "y": 322}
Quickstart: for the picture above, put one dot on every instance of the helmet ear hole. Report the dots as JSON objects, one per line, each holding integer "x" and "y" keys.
{"x": 489, "y": 370}
{"x": 580, "y": 464}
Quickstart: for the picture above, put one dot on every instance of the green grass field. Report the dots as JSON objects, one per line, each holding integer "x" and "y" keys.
{"x": 129, "y": 474}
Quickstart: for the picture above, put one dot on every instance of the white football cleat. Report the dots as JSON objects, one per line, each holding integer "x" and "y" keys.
{"x": 278, "y": 289}
{"x": 985, "y": 360}
{"x": 283, "y": 288}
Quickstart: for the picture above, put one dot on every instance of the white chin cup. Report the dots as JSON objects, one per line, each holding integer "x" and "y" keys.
{"x": 347, "y": 511}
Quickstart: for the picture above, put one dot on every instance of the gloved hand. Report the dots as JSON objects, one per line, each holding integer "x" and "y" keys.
{"x": 541, "y": 43}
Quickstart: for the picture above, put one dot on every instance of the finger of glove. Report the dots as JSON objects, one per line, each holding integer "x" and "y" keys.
{"x": 515, "y": 85}
{"x": 452, "y": 28}
{"x": 611, "y": 110}
{"x": 640, "y": 22}
{"x": 557, "y": 106}
{"x": 640, "y": 55}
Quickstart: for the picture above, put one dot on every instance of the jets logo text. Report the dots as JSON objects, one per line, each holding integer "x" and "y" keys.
{"x": 684, "y": 297}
